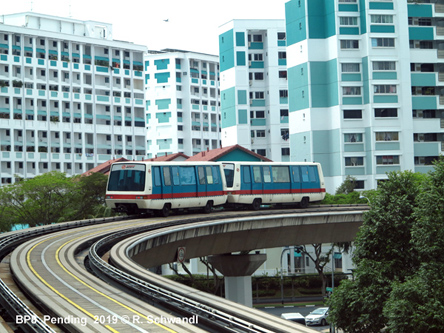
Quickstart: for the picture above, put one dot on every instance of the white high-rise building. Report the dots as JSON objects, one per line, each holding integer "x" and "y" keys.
{"x": 71, "y": 97}
{"x": 254, "y": 87}
{"x": 182, "y": 102}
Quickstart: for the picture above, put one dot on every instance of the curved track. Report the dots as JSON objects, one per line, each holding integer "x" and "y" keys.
{"x": 80, "y": 302}
{"x": 76, "y": 300}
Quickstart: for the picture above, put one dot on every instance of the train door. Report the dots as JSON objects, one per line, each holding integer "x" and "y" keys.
{"x": 245, "y": 180}
{"x": 202, "y": 182}
{"x": 295, "y": 179}
{"x": 310, "y": 179}
{"x": 257, "y": 184}
{"x": 268, "y": 186}
{"x": 167, "y": 186}
{"x": 214, "y": 184}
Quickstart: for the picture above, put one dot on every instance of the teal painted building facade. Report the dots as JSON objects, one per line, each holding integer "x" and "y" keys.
{"x": 356, "y": 105}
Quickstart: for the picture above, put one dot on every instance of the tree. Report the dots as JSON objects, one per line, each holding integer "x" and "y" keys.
{"x": 40, "y": 200}
{"x": 417, "y": 304}
{"x": 347, "y": 186}
{"x": 382, "y": 256}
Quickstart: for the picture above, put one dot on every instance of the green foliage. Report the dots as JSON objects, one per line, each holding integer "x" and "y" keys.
{"x": 399, "y": 259}
{"x": 347, "y": 186}
{"x": 51, "y": 197}
{"x": 343, "y": 199}
{"x": 383, "y": 255}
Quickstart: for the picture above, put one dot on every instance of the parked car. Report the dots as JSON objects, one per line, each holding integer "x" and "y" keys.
{"x": 294, "y": 316}
{"x": 317, "y": 317}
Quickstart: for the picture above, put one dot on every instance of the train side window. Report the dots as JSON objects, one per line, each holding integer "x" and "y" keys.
{"x": 257, "y": 174}
{"x": 296, "y": 174}
{"x": 267, "y": 174}
{"x": 216, "y": 178}
{"x": 281, "y": 174}
{"x": 246, "y": 175}
{"x": 166, "y": 176}
{"x": 156, "y": 175}
{"x": 187, "y": 175}
{"x": 175, "y": 172}
{"x": 201, "y": 172}
{"x": 304, "y": 172}
{"x": 209, "y": 172}
{"x": 312, "y": 174}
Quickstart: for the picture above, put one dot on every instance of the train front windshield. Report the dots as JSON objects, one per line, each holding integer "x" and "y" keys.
{"x": 127, "y": 177}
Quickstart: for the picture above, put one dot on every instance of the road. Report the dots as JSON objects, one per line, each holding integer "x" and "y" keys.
{"x": 303, "y": 310}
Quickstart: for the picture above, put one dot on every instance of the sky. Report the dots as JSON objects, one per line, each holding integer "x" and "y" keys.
{"x": 192, "y": 24}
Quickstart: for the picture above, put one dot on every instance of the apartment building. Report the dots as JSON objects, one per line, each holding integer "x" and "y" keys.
{"x": 71, "y": 97}
{"x": 365, "y": 89}
{"x": 254, "y": 87}
{"x": 182, "y": 102}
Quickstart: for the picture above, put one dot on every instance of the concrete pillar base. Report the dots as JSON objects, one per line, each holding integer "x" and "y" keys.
{"x": 237, "y": 271}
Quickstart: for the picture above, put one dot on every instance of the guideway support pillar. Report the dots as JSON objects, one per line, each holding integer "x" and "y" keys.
{"x": 237, "y": 270}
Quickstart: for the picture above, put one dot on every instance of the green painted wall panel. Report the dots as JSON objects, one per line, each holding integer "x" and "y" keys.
{"x": 162, "y": 77}
{"x": 258, "y": 102}
{"x": 300, "y": 150}
{"x": 326, "y": 150}
{"x": 385, "y": 75}
{"x": 355, "y": 147}
{"x": 347, "y": 7}
{"x": 351, "y": 77}
{"x": 243, "y": 116}
{"x": 161, "y": 64}
{"x": 321, "y": 18}
{"x": 242, "y": 97}
{"x": 257, "y": 64}
{"x": 355, "y": 171}
{"x": 163, "y": 104}
{"x": 365, "y": 80}
{"x": 424, "y": 102}
{"x": 352, "y": 100}
{"x": 423, "y": 79}
{"x": 258, "y": 122}
{"x": 385, "y": 99}
{"x": 163, "y": 117}
{"x": 298, "y": 87}
{"x": 324, "y": 83}
{"x": 226, "y": 50}
{"x": 387, "y": 146}
{"x": 382, "y": 28}
{"x": 349, "y": 31}
{"x": 295, "y": 21}
{"x": 240, "y": 58}
{"x": 420, "y": 10}
{"x": 381, "y": 5}
{"x": 382, "y": 170}
{"x": 426, "y": 149}
{"x": 228, "y": 107}
{"x": 363, "y": 16}
{"x": 238, "y": 155}
{"x": 421, "y": 33}
{"x": 240, "y": 39}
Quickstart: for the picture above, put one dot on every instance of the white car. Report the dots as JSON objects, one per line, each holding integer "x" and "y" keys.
{"x": 317, "y": 317}
{"x": 294, "y": 316}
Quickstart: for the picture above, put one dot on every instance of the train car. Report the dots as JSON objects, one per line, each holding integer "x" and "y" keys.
{"x": 257, "y": 183}
{"x": 135, "y": 187}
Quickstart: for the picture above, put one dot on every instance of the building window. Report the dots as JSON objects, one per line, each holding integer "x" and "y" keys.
{"x": 350, "y": 67}
{"x": 261, "y": 152}
{"x": 387, "y": 160}
{"x": 282, "y": 55}
{"x": 285, "y": 151}
{"x": 348, "y": 20}
{"x": 352, "y": 114}
{"x": 284, "y": 112}
{"x": 258, "y": 76}
{"x": 281, "y": 35}
{"x": 381, "y": 18}
{"x": 260, "y": 133}
{"x": 384, "y": 66}
{"x": 257, "y": 114}
{"x": 346, "y": 0}
{"x": 347, "y": 91}
{"x": 387, "y": 136}
{"x": 383, "y": 42}
{"x": 352, "y": 137}
{"x": 384, "y": 89}
{"x": 349, "y": 44}
{"x": 283, "y": 74}
{"x": 386, "y": 113}
{"x": 283, "y": 93}
{"x": 180, "y": 128}
{"x": 354, "y": 161}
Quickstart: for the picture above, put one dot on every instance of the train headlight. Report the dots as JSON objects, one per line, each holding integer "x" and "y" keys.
{"x": 109, "y": 197}
{"x": 142, "y": 197}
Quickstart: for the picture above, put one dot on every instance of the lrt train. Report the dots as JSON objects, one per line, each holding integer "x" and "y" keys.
{"x": 160, "y": 187}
